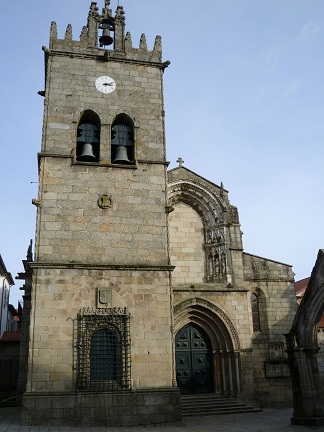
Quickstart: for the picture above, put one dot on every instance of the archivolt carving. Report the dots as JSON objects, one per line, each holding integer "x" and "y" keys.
{"x": 175, "y": 176}
{"x": 183, "y": 316}
{"x": 207, "y": 205}
{"x": 180, "y": 312}
{"x": 213, "y": 213}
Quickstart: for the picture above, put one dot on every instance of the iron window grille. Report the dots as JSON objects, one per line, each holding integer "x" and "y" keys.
{"x": 103, "y": 350}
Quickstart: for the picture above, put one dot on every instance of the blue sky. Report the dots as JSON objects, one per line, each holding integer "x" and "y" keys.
{"x": 244, "y": 106}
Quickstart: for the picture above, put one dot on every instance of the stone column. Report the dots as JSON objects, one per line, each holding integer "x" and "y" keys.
{"x": 230, "y": 373}
{"x": 308, "y": 408}
{"x": 223, "y": 372}
{"x": 237, "y": 372}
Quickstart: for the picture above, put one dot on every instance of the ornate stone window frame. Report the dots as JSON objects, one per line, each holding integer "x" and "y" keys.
{"x": 90, "y": 320}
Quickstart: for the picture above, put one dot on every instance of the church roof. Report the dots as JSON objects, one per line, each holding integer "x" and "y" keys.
{"x": 300, "y": 286}
{"x": 183, "y": 173}
{"x": 4, "y": 272}
{"x": 267, "y": 259}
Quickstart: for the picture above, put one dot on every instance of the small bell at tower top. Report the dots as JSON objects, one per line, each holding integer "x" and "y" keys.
{"x": 106, "y": 25}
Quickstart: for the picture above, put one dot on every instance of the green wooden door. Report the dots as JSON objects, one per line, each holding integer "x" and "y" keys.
{"x": 193, "y": 360}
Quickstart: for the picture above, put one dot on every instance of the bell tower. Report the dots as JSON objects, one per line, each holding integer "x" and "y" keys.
{"x": 100, "y": 340}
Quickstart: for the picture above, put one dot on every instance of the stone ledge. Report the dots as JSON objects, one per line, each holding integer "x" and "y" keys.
{"x": 120, "y": 267}
{"x": 205, "y": 287}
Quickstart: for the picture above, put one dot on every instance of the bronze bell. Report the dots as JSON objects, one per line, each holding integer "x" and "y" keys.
{"x": 121, "y": 156}
{"x": 105, "y": 39}
{"x": 87, "y": 153}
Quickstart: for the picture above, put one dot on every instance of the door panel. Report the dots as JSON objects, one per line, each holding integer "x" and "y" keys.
{"x": 193, "y": 360}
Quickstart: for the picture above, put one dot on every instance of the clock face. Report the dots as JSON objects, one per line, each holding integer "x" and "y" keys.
{"x": 105, "y": 84}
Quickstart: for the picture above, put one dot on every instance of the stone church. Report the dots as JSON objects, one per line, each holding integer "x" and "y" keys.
{"x": 141, "y": 292}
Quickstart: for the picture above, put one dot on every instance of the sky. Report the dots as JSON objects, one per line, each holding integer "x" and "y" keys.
{"x": 244, "y": 106}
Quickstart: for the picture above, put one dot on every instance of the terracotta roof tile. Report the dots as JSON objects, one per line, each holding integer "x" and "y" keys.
{"x": 300, "y": 288}
{"x": 301, "y": 285}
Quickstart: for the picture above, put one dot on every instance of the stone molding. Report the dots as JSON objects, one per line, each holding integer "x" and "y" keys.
{"x": 102, "y": 55}
{"x": 208, "y": 287}
{"x": 196, "y": 301}
{"x": 119, "y": 267}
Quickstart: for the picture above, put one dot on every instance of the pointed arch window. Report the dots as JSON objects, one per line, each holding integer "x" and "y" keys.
{"x": 122, "y": 140}
{"x": 88, "y": 138}
{"x": 255, "y": 313}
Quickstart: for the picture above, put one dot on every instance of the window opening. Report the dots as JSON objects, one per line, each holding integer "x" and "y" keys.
{"x": 103, "y": 350}
{"x": 122, "y": 141}
{"x": 255, "y": 313}
{"x": 104, "y": 358}
{"x": 88, "y": 138}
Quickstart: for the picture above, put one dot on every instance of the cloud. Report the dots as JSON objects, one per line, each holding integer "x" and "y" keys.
{"x": 282, "y": 91}
{"x": 309, "y": 30}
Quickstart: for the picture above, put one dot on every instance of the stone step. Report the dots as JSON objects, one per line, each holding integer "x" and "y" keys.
{"x": 194, "y": 405}
{"x": 10, "y": 402}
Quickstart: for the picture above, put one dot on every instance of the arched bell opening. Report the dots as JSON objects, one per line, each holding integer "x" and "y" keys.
{"x": 88, "y": 138}
{"x": 221, "y": 364}
{"x": 107, "y": 25}
{"x": 122, "y": 140}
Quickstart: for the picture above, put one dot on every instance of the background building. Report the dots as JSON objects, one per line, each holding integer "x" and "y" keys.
{"x": 6, "y": 282}
{"x": 9, "y": 336}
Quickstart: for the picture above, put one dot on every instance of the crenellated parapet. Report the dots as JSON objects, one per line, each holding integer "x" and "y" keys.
{"x": 104, "y": 36}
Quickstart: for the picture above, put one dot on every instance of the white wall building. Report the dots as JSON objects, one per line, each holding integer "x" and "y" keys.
{"x": 6, "y": 281}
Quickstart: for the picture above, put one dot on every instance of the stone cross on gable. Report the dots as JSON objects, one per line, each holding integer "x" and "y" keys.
{"x": 180, "y": 161}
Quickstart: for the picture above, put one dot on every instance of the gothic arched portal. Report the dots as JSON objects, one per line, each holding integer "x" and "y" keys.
{"x": 206, "y": 349}
{"x": 193, "y": 360}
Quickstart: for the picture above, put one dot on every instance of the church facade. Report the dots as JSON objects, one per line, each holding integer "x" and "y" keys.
{"x": 240, "y": 303}
{"x": 141, "y": 291}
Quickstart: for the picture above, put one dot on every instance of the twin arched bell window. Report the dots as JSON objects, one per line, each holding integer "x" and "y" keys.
{"x": 122, "y": 139}
{"x": 88, "y": 138}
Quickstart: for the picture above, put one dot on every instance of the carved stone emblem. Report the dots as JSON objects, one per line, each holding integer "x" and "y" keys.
{"x": 103, "y": 298}
{"x": 105, "y": 201}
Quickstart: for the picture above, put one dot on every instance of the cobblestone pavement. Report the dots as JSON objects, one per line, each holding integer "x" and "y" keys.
{"x": 267, "y": 420}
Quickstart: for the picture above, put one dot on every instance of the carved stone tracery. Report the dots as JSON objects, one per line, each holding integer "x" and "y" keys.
{"x": 204, "y": 202}
{"x": 213, "y": 214}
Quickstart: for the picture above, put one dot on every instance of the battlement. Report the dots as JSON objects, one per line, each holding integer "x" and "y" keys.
{"x": 112, "y": 43}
